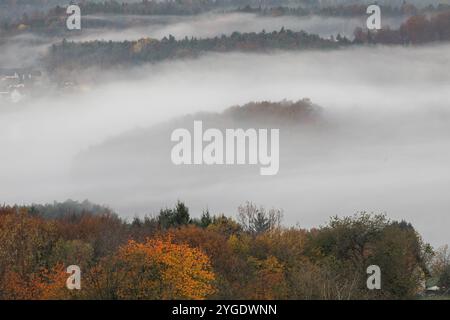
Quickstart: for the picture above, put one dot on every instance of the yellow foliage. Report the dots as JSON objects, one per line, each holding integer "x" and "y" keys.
{"x": 22, "y": 27}
{"x": 140, "y": 44}
{"x": 156, "y": 269}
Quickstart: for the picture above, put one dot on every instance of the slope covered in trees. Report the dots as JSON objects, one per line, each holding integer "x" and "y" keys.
{"x": 347, "y": 10}
{"x": 418, "y": 29}
{"x": 172, "y": 255}
{"x": 71, "y": 55}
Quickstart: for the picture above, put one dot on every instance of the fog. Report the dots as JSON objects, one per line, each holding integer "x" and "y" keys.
{"x": 23, "y": 50}
{"x": 211, "y": 25}
{"x": 383, "y": 145}
{"x": 27, "y": 49}
{"x": 394, "y": 3}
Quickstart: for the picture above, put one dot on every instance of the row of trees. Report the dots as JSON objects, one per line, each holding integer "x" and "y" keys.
{"x": 348, "y": 10}
{"x": 416, "y": 30}
{"x": 147, "y": 7}
{"x": 75, "y": 55}
{"x": 52, "y": 21}
{"x": 174, "y": 256}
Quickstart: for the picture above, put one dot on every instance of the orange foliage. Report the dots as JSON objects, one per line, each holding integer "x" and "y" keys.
{"x": 156, "y": 269}
{"x": 45, "y": 285}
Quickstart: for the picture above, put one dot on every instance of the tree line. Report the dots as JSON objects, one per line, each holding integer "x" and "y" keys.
{"x": 75, "y": 55}
{"x": 52, "y": 21}
{"x": 69, "y": 55}
{"x": 417, "y": 29}
{"x": 172, "y": 255}
{"x": 344, "y": 10}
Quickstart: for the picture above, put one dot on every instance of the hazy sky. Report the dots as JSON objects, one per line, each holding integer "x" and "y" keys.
{"x": 386, "y": 148}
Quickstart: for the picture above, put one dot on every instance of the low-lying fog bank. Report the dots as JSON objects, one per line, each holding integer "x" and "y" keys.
{"x": 27, "y": 49}
{"x": 384, "y": 146}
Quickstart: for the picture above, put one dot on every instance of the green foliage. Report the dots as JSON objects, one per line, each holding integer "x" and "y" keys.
{"x": 206, "y": 219}
{"x": 68, "y": 208}
{"x": 106, "y": 54}
{"x": 72, "y": 252}
{"x": 356, "y": 242}
{"x": 179, "y": 216}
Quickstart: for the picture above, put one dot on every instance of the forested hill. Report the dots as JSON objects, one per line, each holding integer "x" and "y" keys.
{"x": 344, "y": 10}
{"x": 73, "y": 55}
{"x": 69, "y": 55}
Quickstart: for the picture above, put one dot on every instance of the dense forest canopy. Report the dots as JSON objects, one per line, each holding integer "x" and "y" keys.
{"x": 52, "y": 20}
{"x": 354, "y": 10}
{"x": 105, "y": 54}
{"x": 251, "y": 257}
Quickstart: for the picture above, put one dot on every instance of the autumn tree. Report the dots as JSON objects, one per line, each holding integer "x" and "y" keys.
{"x": 25, "y": 244}
{"x": 267, "y": 279}
{"x": 43, "y": 284}
{"x": 28, "y": 267}
{"x": 155, "y": 269}
{"x": 103, "y": 231}
{"x": 230, "y": 268}
{"x": 225, "y": 225}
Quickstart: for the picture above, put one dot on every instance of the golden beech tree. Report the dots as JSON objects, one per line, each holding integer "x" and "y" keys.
{"x": 230, "y": 268}
{"x": 155, "y": 269}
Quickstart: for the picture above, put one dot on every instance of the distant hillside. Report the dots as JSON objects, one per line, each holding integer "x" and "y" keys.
{"x": 69, "y": 208}
{"x": 145, "y": 166}
{"x": 108, "y": 54}
{"x": 69, "y": 55}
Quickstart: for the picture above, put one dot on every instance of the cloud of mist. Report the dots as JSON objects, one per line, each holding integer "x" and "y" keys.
{"x": 22, "y": 51}
{"x": 26, "y": 50}
{"x": 386, "y": 148}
